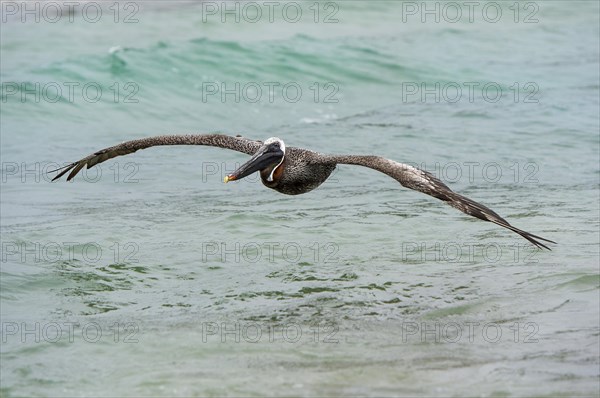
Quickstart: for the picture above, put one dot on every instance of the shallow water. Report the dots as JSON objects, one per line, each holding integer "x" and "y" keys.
{"x": 149, "y": 275}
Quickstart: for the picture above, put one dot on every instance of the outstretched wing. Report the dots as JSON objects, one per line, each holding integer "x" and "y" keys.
{"x": 238, "y": 143}
{"x": 422, "y": 181}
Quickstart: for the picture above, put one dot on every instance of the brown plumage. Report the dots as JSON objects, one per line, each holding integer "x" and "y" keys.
{"x": 295, "y": 171}
{"x": 238, "y": 143}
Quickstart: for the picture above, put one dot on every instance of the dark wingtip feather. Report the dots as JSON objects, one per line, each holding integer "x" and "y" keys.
{"x": 65, "y": 169}
{"x": 76, "y": 170}
{"x": 532, "y": 238}
{"x": 482, "y": 212}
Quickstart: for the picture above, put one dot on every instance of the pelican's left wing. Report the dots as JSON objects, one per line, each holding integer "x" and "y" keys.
{"x": 238, "y": 143}
{"x": 422, "y": 181}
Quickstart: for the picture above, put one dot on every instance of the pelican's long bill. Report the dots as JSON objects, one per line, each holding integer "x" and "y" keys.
{"x": 266, "y": 156}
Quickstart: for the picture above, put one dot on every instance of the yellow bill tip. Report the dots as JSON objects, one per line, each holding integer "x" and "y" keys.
{"x": 228, "y": 178}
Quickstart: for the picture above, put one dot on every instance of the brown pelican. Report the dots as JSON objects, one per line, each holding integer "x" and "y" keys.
{"x": 293, "y": 171}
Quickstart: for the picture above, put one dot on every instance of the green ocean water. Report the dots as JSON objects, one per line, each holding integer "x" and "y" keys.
{"x": 148, "y": 276}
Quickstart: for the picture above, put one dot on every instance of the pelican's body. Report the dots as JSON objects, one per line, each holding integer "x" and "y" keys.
{"x": 300, "y": 172}
{"x": 294, "y": 171}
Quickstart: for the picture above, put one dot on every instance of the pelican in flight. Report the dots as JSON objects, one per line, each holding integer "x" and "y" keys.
{"x": 293, "y": 171}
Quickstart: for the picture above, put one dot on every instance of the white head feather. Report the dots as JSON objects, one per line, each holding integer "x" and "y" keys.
{"x": 282, "y": 147}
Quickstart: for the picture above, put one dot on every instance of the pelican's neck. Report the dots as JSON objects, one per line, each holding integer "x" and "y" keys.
{"x": 277, "y": 166}
{"x": 273, "y": 174}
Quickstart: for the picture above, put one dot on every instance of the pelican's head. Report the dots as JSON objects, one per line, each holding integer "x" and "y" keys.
{"x": 268, "y": 158}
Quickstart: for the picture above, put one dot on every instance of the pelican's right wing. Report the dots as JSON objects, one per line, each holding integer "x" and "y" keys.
{"x": 422, "y": 181}
{"x": 238, "y": 143}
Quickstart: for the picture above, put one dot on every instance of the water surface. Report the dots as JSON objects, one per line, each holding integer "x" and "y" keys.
{"x": 148, "y": 276}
